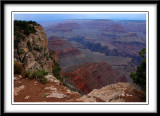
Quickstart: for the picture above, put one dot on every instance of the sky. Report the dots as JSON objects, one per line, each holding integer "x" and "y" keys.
{"x": 61, "y": 17}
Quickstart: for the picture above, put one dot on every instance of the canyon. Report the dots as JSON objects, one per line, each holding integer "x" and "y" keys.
{"x": 79, "y": 58}
{"x": 115, "y": 42}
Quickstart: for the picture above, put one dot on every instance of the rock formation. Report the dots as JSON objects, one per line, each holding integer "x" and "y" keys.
{"x": 62, "y": 47}
{"x": 94, "y": 76}
{"x": 116, "y": 28}
{"x": 119, "y": 92}
{"x": 32, "y": 49}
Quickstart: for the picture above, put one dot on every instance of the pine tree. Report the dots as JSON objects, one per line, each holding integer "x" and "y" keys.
{"x": 139, "y": 77}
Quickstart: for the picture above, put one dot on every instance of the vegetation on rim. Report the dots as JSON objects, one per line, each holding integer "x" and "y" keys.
{"x": 56, "y": 71}
{"x": 37, "y": 74}
{"x": 139, "y": 77}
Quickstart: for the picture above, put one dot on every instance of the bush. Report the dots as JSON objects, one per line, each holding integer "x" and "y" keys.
{"x": 43, "y": 80}
{"x": 32, "y": 74}
{"x": 41, "y": 74}
{"x": 56, "y": 71}
{"x": 18, "y": 68}
{"x": 33, "y": 22}
{"x": 37, "y": 74}
{"x": 23, "y": 26}
{"x": 45, "y": 55}
{"x": 44, "y": 72}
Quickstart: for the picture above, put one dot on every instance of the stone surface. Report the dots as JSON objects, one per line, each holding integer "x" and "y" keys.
{"x": 116, "y": 92}
{"x": 86, "y": 98}
{"x": 51, "y": 88}
{"x": 18, "y": 89}
{"x": 17, "y": 77}
{"x": 37, "y": 56}
{"x": 119, "y": 92}
{"x": 56, "y": 95}
{"x": 51, "y": 78}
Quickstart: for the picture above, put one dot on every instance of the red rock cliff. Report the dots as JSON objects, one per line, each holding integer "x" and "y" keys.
{"x": 93, "y": 76}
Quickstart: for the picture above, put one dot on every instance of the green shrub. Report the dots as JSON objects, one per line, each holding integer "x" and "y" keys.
{"x": 41, "y": 75}
{"x": 37, "y": 74}
{"x": 56, "y": 71}
{"x": 32, "y": 74}
{"x": 43, "y": 80}
{"x": 44, "y": 72}
{"x": 139, "y": 77}
{"x": 23, "y": 26}
{"x": 45, "y": 55}
{"x": 34, "y": 23}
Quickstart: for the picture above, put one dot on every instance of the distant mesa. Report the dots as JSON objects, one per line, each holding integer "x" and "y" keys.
{"x": 131, "y": 35}
{"x": 62, "y": 46}
{"x": 116, "y": 28}
{"x": 65, "y": 27}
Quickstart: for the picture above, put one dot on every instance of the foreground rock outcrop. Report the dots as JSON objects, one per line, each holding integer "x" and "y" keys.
{"x": 119, "y": 92}
{"x": 54, "y": 91}
{"x": 31, "y": 47}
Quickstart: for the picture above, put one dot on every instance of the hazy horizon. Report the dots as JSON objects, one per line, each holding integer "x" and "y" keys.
{"x": 91, "y": 16}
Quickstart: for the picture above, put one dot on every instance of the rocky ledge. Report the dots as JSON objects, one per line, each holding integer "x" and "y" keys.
{"x": 54, "y": 91}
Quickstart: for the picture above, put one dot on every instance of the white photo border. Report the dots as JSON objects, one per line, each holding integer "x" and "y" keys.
{"x": 120, "y": 107}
